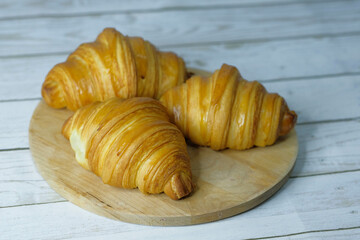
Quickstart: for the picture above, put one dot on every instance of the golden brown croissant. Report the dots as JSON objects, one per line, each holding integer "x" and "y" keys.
{"x": 131, "y": 143}
{"x": 226, "y": 111}
{"x": 113, "y": 65}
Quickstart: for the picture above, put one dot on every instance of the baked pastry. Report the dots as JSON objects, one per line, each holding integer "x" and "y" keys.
{"x": 131, "y": 143}
{"x": 226, "y": 111}
{"x": 112, "y": 66}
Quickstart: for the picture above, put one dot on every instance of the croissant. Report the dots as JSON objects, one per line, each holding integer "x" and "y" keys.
{"x": 113, "y": 65}
{"x": 226, "y": 111}
{"x": 131, "y": 143}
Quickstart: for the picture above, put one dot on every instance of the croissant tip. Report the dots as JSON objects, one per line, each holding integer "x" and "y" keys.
{"x": 288, "y": 122}
{"x": 189, "y": 74}
{"x": 179, "y": 186}
{"x": 65, "y": 131}
{"x": 52, "y": 94}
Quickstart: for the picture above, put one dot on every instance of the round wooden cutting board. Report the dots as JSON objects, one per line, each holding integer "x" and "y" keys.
{"x": 227, "y": 182}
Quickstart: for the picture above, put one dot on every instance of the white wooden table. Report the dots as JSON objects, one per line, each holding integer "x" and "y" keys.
{"x": 308, "y": 51}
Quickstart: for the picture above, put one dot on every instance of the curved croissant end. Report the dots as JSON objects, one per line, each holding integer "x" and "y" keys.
{"x": 226, "y": 111}
{"x": 179, "y": 186}
{"x": 131, "y": 143}
{"x": 52, "y": 92}
{"x": 288, "y": 122}
{"x": 113, "y": 65}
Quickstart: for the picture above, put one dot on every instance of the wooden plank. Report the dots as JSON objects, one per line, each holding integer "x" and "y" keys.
{"x": 49, "y": 35}
{"x": 15, "y": 119}
{"x": 17, "y": 166}
{"x": 320, "y": 152}
{"x": 264, "y": 61}
{"x": 23, "y": 80}
{"x": 304, "y": 204}
{"x": 316, "y": 99}
{"x": 20, "y": 184}
{"x": 328, "y": 147}
{"x": 39, "y": 8}
{"x": 270, "y": 60}
{"x": 13, "y": 193}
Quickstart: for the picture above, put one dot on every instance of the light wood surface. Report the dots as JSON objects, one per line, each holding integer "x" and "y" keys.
{"x": 307, "y": 51}
{"x": 228, "y": 182}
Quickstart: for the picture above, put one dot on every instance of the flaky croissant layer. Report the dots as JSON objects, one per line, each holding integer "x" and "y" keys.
{"x": 131, "y": 143}
{"x": 226, "y": 111}
{"x": 113, "y": 65}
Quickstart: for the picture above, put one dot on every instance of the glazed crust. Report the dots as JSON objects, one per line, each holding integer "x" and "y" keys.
{"x": 226, "y": 111}
{"x": 113, "y": 65}
{"x": 131, "y": 143}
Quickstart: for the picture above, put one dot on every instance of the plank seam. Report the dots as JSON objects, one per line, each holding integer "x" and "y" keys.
{"x": 313, "y": 77}
{"x": 210, "y": 43}
{"x": 14, "y": 149}
{"x": 20, "y": 99}
{"x": 325, "y": 173}
{"x": 32, "y": 204}
{"x": 330, "y": 121}
{"x": 261, "y": 40}
{"x": 15, "y": 181}
{"x": 306, "y": 232}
